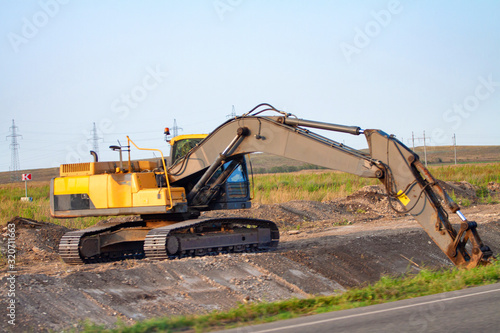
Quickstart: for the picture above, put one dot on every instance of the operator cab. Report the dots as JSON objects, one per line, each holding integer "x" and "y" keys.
{"x": 182, "y": 144}
{"x": 233, "y": 191}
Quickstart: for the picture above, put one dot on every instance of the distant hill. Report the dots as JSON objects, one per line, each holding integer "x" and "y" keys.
{"x": 265, "y": 163}
{"x": 465, "y": 154}
{"x": 36, "y": 175}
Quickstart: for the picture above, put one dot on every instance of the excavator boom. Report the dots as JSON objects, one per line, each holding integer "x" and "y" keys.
{"x": 409, "y": 185}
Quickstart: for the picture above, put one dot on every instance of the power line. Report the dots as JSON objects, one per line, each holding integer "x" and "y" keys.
{"x": 175, "y": 129}
{"x": 232, "y": 114}
{"x": 95, "y": 139}
{"x": 425, "y": 139}
{"x": 14, "y": 153}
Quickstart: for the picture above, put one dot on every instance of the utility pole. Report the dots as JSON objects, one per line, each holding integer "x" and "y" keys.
{"x": 425, "y": 144}
{"x": 425, "y": 151}
{"x": 175, "y": 129}
{"x": 413, "y": 140}
{"x": 95, "y": 140}
{"x": 14, "y": 154}
{"x": 455, "y": 147}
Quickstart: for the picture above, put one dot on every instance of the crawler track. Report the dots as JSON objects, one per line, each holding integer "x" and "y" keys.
{"x": 211, "y": 236}
{"x": 187, "y": 238}
{"x": 70, "y": 245}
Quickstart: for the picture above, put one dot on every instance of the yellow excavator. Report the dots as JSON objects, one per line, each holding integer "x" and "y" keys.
{"x": 209, "y": 172}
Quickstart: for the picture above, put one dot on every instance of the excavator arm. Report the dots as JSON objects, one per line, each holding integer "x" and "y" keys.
{"x": 410, "y": 186}
{"x": 406, "y": 179}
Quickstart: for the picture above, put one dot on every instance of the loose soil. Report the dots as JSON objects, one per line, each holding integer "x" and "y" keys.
{"x": 324, "y": 249}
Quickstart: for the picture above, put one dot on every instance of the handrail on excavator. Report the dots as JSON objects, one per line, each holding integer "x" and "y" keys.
{"x": 162, "y": 161}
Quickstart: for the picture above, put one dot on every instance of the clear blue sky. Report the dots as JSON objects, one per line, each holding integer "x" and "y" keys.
{"x": 132, "y": 67}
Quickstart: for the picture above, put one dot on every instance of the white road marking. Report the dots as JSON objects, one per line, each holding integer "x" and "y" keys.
{"x": 374, "y": 312}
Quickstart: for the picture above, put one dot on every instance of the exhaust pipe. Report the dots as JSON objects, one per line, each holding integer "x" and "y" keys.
{"x": 93, "y": 153}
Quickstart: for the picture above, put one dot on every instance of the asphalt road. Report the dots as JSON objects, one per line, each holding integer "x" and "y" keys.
{"x": 469, "y": 310}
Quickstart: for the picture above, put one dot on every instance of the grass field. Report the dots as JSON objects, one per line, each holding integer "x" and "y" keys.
{"x": 268, "y": 189}
{"x": 327, "y": 185}
{"x": 39, "y": 209}
{"x": 317, "y": 186}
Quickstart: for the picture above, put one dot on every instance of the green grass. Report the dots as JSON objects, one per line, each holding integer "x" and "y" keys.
{"x": 387, "y": 289}
{"x": 324, "y": 186}
{"x": 39, "y": 209}
{"x": 476, "y": 174}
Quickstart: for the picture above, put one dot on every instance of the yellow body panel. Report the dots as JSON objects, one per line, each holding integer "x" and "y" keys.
{"x": 77, "y": 169}
{"x": 178, "y": 194}
{"x": 122, "y": 190}
{"x": 96, "y": 168}
{"x": 86, "y": 169}
{"x": 119, "y": 190}
{"x": 143, "y": 180}
{"x": 115, "y": 187}
{"x": 71, "y": 185}
{"x": 151, "y": 197}
{"x": 98, "y": 190}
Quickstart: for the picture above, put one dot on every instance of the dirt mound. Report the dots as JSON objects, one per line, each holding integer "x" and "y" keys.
{"x": 367, "y": 204}
{"x": 461, "y": 190}
{"x": 493, "y": 187}
{"x": 35, "y": 241}
{"x": 369, "y": 200}
{"x": 374, "y": 199}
